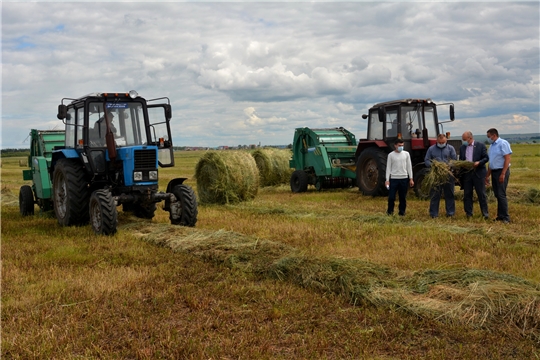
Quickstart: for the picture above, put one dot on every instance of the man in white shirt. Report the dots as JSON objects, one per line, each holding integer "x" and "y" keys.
{"x": 399, "y": 177}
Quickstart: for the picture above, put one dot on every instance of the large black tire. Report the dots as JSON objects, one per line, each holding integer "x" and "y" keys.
{"x": 70, "y": 193}
{"x": 26, "y": 200}
{"x": 103, "y": 213}
{"x": 418, "y": 180}
{"x": 186, "y": 213}
{"x": 371, "y": 172}
{"x": 299, "y": 181}
{"x": 144, "y": 212}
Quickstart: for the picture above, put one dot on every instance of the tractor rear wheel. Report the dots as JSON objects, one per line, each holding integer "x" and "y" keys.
{"x": 70, "y": 193}
{"x": 299, "y": 181}
{"x": 26, "y": 200}
{"x": 371, "y": 172}
{"x": 418, "y": 180}
{"x": 103, "y": 213}
{"x": 185, "y": 213}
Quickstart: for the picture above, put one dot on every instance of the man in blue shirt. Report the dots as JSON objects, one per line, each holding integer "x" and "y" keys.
{"x": 441, "y": 152}
{"x": 499, "y": 169}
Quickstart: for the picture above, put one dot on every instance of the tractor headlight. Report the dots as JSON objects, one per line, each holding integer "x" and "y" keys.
{"x": 137, "y": 176}
{"x": 152, "y": 175}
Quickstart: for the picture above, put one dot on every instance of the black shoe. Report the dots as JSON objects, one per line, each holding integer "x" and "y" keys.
{"x": 486, "y": 217}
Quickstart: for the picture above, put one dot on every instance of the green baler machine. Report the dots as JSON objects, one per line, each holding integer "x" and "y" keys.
{"x": 42, "y": 145}
{"x": 324, "y": 158}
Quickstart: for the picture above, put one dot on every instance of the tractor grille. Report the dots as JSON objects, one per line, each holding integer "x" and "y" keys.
{"x": 145, "y": 159}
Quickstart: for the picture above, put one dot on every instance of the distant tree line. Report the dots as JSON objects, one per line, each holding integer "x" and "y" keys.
{"x": 14, "y": 152}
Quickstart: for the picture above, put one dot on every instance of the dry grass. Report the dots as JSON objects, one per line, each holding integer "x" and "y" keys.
{"x": 281, "y": 276}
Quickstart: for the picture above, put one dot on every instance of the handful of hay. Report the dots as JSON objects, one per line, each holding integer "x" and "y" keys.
{"x": 438, "y": 175}
{"x": 226, "y": 177}
{"x": 273, "y": 165}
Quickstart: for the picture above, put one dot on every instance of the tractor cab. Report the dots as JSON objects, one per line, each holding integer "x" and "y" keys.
{"x": 415, "y": 121}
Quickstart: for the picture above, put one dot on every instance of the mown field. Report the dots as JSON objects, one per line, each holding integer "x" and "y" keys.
{"x": 317, "y": 275}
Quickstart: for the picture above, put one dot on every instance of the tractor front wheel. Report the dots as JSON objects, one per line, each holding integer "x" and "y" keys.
{"x": 371, "y": 172}
{"x": 299, "y": 181}
{"x": 26, "y": 200}
{"x": 103, "y": 213}
{"x": 184, "y": 211}
{"x": 70, "y": 193}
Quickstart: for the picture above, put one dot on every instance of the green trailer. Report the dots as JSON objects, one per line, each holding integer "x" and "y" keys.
{"x": 323, "y": 158}
{"x": 43, "y": 142}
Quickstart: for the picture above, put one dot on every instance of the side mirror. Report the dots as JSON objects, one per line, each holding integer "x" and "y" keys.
{"x": 364, "y": 116}
{"x": 452, "y": 117}
{"x": 382, "y": 114}
{"x": 168, "y": 112}
{"x": 62, "y": 112}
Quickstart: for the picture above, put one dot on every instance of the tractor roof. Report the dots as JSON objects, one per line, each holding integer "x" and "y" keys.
{"x": 402, "y": 101}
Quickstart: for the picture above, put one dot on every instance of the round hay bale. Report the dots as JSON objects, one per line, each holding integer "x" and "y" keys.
{"x": 23, "y": 163}
{"x": 273, "y": 165}
{"x": 226, "y": 177}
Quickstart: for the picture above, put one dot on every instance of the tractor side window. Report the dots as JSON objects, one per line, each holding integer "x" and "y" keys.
{"x": 159, "y": 130}
{"x": 430, "y": 122}
{"x": 70, "y": 128}
{"x": 375, "y": 127}
{"x": 80, "y": 126}
{"x": 391, "y": 123}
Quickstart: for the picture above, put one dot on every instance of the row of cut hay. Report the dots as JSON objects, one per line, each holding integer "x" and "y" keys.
{"x": 226, "y": 177}
{"x": 273, "y": 165}
{"x": 476, "y": 298}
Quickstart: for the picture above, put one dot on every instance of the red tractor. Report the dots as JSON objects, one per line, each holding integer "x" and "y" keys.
{"x": 416, "y": 122}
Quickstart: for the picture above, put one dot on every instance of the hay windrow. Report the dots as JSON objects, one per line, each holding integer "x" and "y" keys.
{"x": 477, "y": 298}
{"x": 226, "y": 177}
{"x": 273, "y": 165}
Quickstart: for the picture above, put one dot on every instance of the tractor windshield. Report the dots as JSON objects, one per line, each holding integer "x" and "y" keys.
{"x": 411, "y": 121}
{"x": 126, "y": 121}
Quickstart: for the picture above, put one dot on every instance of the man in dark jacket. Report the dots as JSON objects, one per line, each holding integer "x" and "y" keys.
{"x": 475, "y": 152}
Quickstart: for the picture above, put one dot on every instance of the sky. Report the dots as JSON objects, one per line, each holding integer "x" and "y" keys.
{"x": 241, "y": 73}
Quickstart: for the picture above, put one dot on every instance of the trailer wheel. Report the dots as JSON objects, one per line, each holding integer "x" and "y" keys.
{"x": 26, "y": 200}
{"x": 418, "y": 180}
{"x": 371, "y": 172}
{"x": 70, "y": 193}
{"x": 184, "y": 213}
{"x": 103, "y": 213}
{"x": 299, "y": 181}
{"x": 144, "y": 212}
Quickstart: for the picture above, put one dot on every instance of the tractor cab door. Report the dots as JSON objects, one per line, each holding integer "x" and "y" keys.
{"x": 159, "y": 116}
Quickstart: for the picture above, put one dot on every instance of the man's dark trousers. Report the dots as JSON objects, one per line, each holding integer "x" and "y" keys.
{"x": 471, "y": 180}
{"x": 401, "y": 186}
{"x": 499, "y": 190}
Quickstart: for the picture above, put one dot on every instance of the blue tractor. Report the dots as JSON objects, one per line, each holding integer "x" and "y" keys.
{"x": 113, "y": 146}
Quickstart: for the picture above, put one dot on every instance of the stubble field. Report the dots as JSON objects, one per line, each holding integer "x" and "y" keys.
{"x": 312, "y": 275}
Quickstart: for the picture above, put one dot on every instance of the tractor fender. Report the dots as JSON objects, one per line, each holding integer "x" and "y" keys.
{"x": 170, "y": 187}
{"x": 363, "y": 145}
{"x": 173, "y": 183}
{"x": 62, "y": 154}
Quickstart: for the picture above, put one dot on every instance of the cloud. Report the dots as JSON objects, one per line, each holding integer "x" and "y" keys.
{"x": 255, "y": 71}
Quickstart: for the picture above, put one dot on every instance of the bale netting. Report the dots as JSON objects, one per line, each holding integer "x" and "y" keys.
{"x": 225, "y": 177}
{"x": 273, "y": 165}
